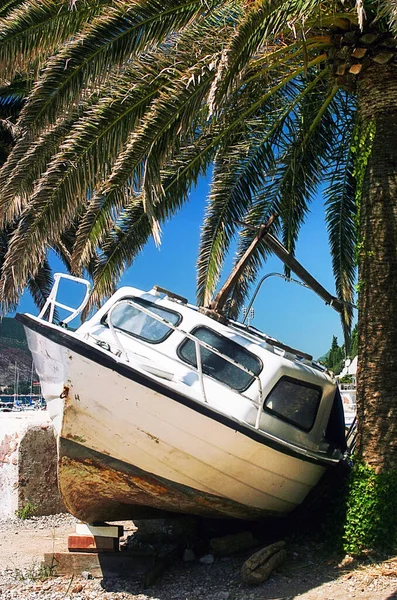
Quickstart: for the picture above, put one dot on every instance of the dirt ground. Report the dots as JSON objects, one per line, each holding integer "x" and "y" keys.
{"x": 310, "y": 573}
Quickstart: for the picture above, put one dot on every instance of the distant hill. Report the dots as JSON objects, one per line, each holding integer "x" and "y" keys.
{"x": 323, "y": 359}
{"x": 14, "y": 352}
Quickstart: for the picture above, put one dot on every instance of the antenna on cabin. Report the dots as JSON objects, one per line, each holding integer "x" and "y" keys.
{"x": 248, "y": 314}
{"x": 285, "y": 277}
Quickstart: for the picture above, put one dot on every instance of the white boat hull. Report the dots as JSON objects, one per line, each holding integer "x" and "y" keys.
{"x": 129, "y": 445}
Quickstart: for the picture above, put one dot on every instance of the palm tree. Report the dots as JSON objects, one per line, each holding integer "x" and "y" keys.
{"x": 282, "y": 97}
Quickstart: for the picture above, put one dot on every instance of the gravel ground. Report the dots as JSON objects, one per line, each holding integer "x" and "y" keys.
{"x": 309, "y": 573}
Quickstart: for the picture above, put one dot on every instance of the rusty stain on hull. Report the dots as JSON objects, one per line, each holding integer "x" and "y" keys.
{"x": 152, "y": 437}
{"x": 65, "y": 393}
{"x": 76, "y": 438}
{"x": 96, "y": 487}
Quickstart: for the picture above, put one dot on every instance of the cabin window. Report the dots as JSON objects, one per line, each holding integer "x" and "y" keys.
{"x": 217, "y": 367}
{"x": 294, "y": 401}
{"x": 131, "y": 320}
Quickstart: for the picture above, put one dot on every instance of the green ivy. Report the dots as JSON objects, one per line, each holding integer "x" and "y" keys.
{"x": 363, "y": 137}
{"x": 371, "y": 515}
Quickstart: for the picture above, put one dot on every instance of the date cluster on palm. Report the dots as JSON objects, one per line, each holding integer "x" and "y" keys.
{"x": 353, "y": 51}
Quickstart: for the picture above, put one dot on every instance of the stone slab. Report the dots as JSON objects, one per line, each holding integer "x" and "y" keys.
{"x": 28, "y": 464}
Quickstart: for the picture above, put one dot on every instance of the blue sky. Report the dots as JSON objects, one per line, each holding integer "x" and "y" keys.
{"x": 287, "y": 311}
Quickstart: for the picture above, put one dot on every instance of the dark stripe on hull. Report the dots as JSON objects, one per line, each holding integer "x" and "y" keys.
{"x": 62, "y": 338}
{"x": 97, "y": 487}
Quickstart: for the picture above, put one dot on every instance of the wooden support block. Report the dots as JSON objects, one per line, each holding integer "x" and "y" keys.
{"x": 91, "y": 543}
{"x": 230, "y": 544}
{"x": 106, "y": 564}
{"x": 104, "y": 530}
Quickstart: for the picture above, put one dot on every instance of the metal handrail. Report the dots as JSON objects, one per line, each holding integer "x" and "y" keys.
{"x": 198, "y": 345}
{"x": 52, "y": 302}
{"x": 288, "y": 279}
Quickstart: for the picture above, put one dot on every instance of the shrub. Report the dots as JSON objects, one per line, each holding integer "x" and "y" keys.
{"x": 27, "y": 511}
{"x": 371, "y": 524}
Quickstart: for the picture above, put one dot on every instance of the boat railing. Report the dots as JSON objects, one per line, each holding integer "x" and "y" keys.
{"x": 199, "y": 344}
{"x": 52, "y": 303}
{"x": 347, "y": 387}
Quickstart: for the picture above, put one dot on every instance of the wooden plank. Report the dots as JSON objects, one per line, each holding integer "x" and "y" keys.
{"x": 91, "y": 543}
{"x": 106, "y": 564}
{"x": 105, "y": 530}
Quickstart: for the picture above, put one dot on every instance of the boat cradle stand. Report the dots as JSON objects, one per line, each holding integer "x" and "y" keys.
{"x": 94, "y": 549}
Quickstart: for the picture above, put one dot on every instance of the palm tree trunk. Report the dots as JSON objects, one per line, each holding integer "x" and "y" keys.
{"x": 377, "y": 325}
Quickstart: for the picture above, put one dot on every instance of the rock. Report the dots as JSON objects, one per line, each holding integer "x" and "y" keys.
{"x": 86, "y": 575}
{"x": 188, "y": 555}
{"x": 258, "y": 567}
{"x": 230, "y": 544}
{"x": 207, "y": 559}
{"x": 223, "y": 595}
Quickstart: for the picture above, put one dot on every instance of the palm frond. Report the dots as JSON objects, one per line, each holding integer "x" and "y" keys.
{"x": 254, "y": 218}
{"x": 243, "y": 171}
{"x": 303, "y": 160}
{"x": 151, "y": 145}
{"x": 260, "y": 29}
{"x": 341, "y": 213}
{"x": 26, "y": 163}
{"x": 110, "y": 41}
{"x": 389, "y": 12}
{"x": 303, "y": 144}
{"x": 132, "y": 229}
{"x": 12, "y": 97}
{"x": 40, "y": 285}
{"x": 9, "y": 5}
{"x": 32, "y": 30}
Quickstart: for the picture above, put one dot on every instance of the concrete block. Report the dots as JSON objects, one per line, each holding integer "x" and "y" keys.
{"x": 28, "y": 464}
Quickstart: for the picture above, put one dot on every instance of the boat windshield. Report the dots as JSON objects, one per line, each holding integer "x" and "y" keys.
{"x": 217, "y": 367}
{"x": 131, "y": 320}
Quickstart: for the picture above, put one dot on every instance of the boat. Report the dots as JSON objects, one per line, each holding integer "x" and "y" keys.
{"x": 6, "y": 403}
{"x": 348, "y": 393}
{"x": 347, "y": 386}
{"x": 161, "y": 407}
